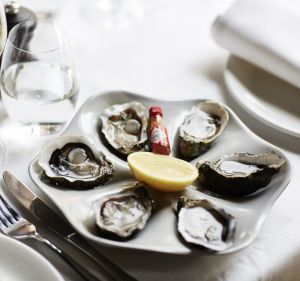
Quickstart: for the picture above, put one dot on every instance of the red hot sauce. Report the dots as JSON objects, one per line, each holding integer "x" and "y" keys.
{"x": 158, "y": 135}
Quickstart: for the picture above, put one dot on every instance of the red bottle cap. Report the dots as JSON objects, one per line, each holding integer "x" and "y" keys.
{"x": 155, "y": 110}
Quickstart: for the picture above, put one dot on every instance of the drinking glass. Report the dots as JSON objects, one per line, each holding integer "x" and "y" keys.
{"x": 112, "y": 13}
{"x": 3, "y": 34}
{"x": 38, "y": 78}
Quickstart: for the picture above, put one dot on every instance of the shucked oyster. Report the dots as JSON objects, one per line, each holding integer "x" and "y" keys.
{"x": 239, "y": 174}
{"x": 124, "y": 127}
{"x": 201, "y": 127}
{"x": 202, "y": 223}
{"x": 74, "y": 162}
{"x": 120, "y": 215}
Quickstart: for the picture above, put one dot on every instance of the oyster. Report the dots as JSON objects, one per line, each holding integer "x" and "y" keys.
{"x": 201, "y": 127}
{"x": 202, "y": 223}
{"x": 239, "y": 174}
{"x": 120, "y": 215}
{"x": 125, "y": 127}
{"x": 74, "y": 162}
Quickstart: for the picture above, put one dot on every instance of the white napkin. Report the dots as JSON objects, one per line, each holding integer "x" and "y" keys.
{"x": 265, "y": 33}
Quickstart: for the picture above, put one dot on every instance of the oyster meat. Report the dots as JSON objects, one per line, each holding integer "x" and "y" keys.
{"x": 120, "y": 215}
{"x": 202, "y": 223}
{"x": 125, "y": 127}
{"x": 239, "y": 174}
{"x": 201, "y": 127}
{"x": 74, "y": 162}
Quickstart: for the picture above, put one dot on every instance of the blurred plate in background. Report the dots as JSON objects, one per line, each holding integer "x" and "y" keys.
{"x": 266, "y": 97}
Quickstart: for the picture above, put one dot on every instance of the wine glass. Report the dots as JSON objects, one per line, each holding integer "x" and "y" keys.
{"x": 112, "y": 13}
{"x": 39, "y": 83}
{"x": 3, "y": 35}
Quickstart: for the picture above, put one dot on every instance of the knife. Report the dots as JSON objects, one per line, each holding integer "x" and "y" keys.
{"x": 29, "y": 200}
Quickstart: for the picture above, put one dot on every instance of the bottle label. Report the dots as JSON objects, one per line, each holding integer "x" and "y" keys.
{"x": 157, "y": 136}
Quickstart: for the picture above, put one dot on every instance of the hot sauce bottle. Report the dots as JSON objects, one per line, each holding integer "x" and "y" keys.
{"x": 158, "y": 135}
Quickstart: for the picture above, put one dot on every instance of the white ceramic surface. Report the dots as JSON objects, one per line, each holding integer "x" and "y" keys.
{"x": 266, "y": 97}
{"x": 160, "y": 232}
{"x": 18, "y": 262}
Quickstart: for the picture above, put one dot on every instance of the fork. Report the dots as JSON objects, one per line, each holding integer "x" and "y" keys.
{"x": 13, "y": 225}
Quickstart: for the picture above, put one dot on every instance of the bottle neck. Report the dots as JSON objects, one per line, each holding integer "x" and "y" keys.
{"x": 157, "y": 119}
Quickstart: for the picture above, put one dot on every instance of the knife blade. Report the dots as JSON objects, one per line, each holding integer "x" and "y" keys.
{"x": 29, "y": 200}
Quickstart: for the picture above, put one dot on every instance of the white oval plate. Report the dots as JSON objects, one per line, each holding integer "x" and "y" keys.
{"x": 160, "y": 232}
{"x": 266, "y": 97}
{"x": 19, "y": 262}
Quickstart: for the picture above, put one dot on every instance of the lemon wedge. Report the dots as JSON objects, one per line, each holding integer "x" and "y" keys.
{"x": 162, "y": 172}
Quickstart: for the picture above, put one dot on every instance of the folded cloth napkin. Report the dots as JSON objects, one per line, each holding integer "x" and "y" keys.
{"x": 265, "y": 33}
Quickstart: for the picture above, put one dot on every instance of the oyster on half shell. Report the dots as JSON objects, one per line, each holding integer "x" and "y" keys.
{"x": 201, "y": 127}
{"x": 125, "y": 127}
{"x": 120, "y": 215}
{"x": 74, "y": 162}
{"x": 239, "y": 174}
{"x": 202, "y": 223}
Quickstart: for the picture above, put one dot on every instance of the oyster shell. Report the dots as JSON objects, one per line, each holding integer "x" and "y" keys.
{"x": 202, "y": 223}
{"x": 239, "y": 174}
{"x": 120, "y": 215}
{"x": 201, "y": 127}
{"x": 125, "y": 127}
{"x": 74, "y": 162}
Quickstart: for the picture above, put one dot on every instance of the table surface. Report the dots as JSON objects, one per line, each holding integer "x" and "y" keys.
{"x": 169, "y": 54}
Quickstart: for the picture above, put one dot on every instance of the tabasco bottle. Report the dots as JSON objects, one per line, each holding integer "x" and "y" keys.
{"x": 158, "y": 135}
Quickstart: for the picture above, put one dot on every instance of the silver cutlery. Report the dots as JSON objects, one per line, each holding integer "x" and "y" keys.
{"x": 15, "y": 226}
{"x": 108, "y": 271}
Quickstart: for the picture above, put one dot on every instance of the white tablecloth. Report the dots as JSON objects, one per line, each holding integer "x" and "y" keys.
{"x": 169, "y": 54}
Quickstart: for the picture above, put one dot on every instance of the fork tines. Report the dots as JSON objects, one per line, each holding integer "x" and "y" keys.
{"x": 7, "y": 214}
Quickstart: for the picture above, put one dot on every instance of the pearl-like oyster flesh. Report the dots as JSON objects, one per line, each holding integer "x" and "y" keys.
{"x": 125, "y": 127}
{"x": 202, "y": 223}
{"x": 239, "y": 174}
{"x": 201, "y": 126}
{"x": 74, "y": 162}
{"x": 120, "y": 215}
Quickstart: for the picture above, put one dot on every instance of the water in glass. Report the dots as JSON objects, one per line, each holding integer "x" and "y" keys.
{"x": 39, "y": 84}
{"x": 40, "y": 94}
